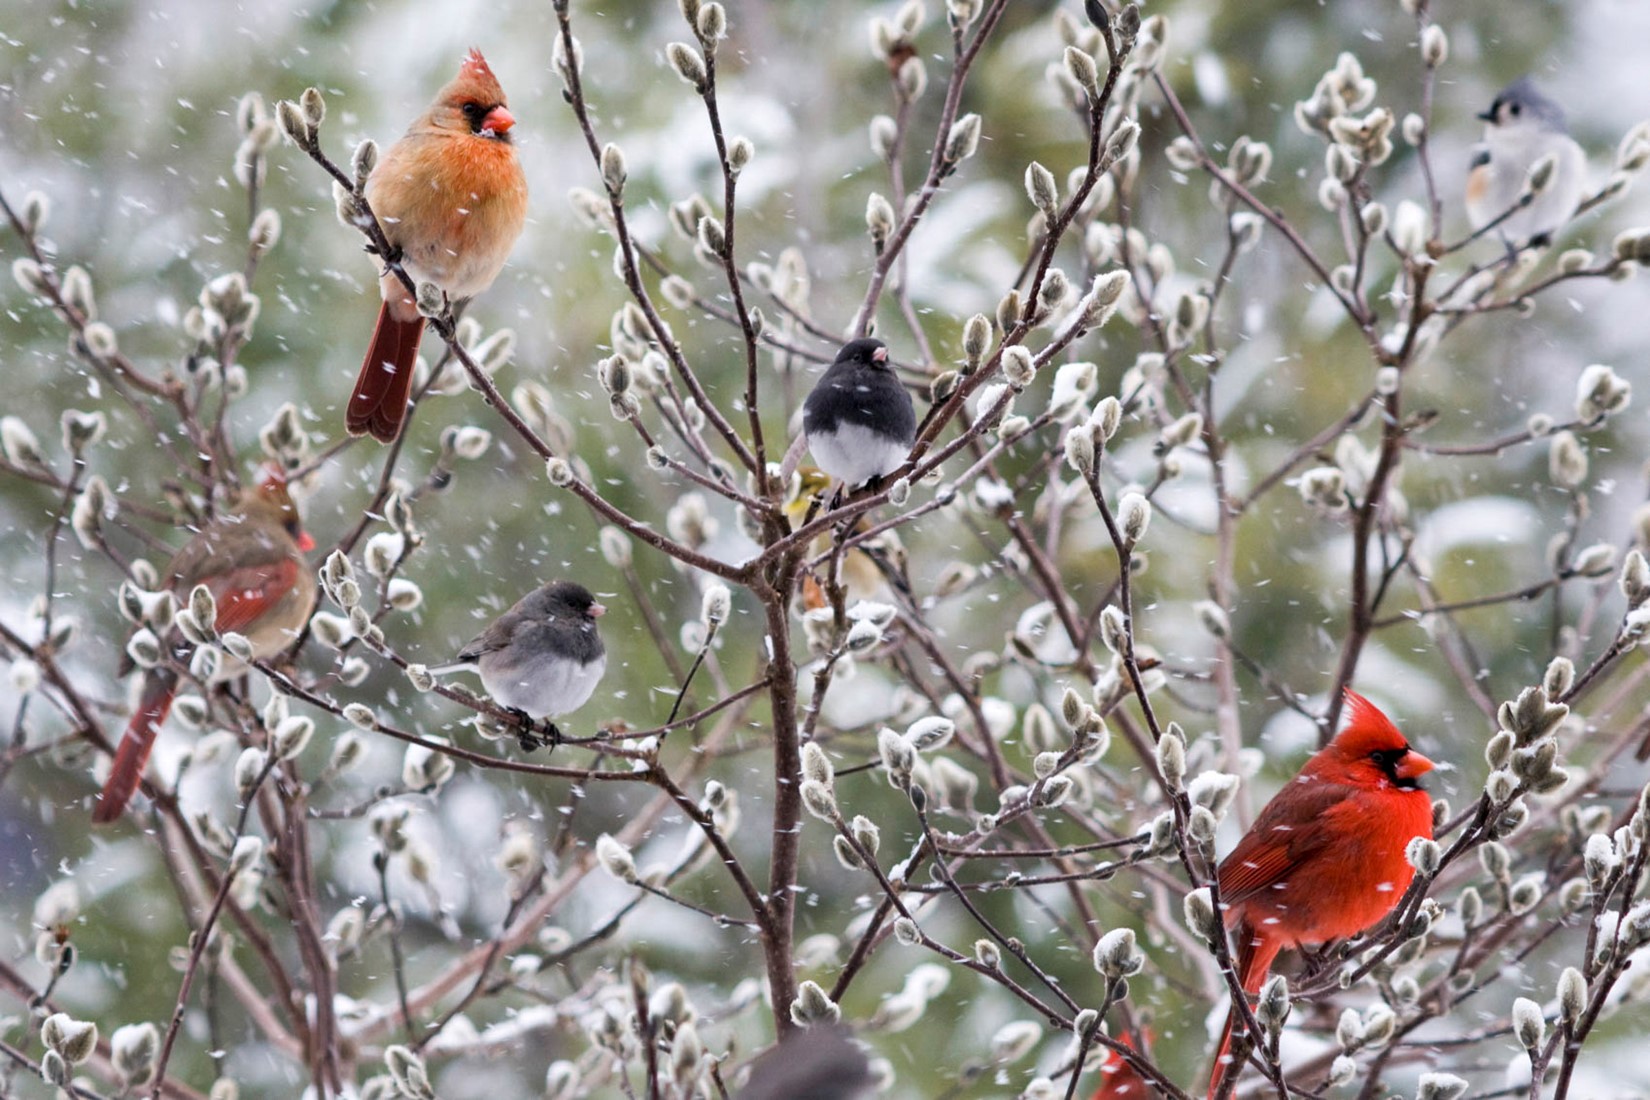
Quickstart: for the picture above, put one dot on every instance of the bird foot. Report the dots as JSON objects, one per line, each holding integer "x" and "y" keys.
{"x": 530, "y": 736}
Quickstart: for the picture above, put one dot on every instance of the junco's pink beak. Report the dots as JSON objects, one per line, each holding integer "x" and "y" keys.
{"x": 597, "y": 610}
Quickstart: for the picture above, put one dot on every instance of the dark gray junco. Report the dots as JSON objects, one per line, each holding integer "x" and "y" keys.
{"x": 859, "y": 420}
{"x": 1521, "y": 128}
{"x": 543, "y": 657}
{"x": 816, "y": 1063}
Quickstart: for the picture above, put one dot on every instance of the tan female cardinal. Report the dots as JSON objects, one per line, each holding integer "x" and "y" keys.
{"x": 252, "y": 561}
{"x": 452, "y": 199}
{"x": 1326, "y": 857}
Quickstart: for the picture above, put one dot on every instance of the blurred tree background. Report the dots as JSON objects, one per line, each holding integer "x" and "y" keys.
{"x": 124, "y": 114}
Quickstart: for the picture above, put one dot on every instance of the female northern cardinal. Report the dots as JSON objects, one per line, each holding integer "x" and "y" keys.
{"x": 451, "y": 198}
{"x": 1325, "y": 858}
{"x": 252, "y": 560}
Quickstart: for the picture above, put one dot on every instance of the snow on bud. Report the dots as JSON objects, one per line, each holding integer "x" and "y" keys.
{"x": 133, "y": 1050}
{"x": 74, "y": 1040}
{"x": 1409, "y": 228}
{"x": 1117, "y": 956}
{"x": 407, "y": 1068}
{"x": 1567, "y": 461}
{"x": 1541, "y": 175}
{"x": 1434, "y": 46}
{"x": 1597, "y": 560}
{"x": 1600, "y": 392}
{"x": 907, "y": 932}
{"x": 1018, "y": 367}
{"x": 1599, "y": 860}
{"x": 1122, "y": 140}
{"x": 37, "y": 207}
{"x": 1341, "y": 1071}
{"x": 1572, "y": 995}
{"x": 291, "y": 737}
{"x": 1041, "y": 189}
{"x": 812, "y": 1006}
{"x": 879, "y": 219}
{"x": 1171, "y": 757}
{"x": 332, "y": 631}
{"x": 616, "y": 859}
{"x": 1134, "y": 515}
{"x": 898, "y": 756}
{"x": 1084, "y": 70}
{"x": 1440, "y": 1086}
{"x": 614, "y": 169}
{"x": 1528, "y": 1024}
{"x": 203, "y": 607}
{"x": 1200, "y": 916}
{"x": 1424, "y": 855}
{"x": 360, "y": 716}
{"x": 383, "y": 552}
{"x": 1080, "y": 451}
{"x": 930, "y": 734}
{"x": 248, "y": 851}
{"x": 18, "y": 443}
{"x": 82, "y": 429}
{"x": 963, "y": 139}
{"x": 715, "y": 605}
{"x": 740, "y": 152}
{"x": 94, "y": 505}
{"x": 559, "y": 471}
{"x": 819, "y": 800}
{"x": 249, "y": 770}
{"x": 1015, "y": 1040}
{"x": 688, "y": 65}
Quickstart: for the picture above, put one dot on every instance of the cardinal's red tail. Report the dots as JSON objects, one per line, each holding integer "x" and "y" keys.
{"x": 1254, "y": 955}
{"x": 380, "y": 398}
{"x": 155, "y": 703}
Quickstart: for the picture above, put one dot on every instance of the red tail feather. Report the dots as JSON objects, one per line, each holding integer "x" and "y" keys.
{"x": 135, "y": 743}
{"x": 380, "y": 398}
{"x": 1255, "y": 953}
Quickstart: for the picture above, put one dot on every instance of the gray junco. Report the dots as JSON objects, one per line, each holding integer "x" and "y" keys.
{"x": 859, "y": 420}
{"x": 1521, "y": 128}
{"x": 816, "y": 1063}
{"x": 543, "y": 657}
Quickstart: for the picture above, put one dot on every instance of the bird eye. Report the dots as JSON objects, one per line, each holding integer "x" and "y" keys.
{"x": 1515, "y": 110}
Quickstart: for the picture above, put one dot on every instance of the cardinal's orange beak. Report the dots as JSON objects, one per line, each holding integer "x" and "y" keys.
{"x": 305, "y": 543}
{"x": 499, "y": 120}
{"x": 1412, "y": 765}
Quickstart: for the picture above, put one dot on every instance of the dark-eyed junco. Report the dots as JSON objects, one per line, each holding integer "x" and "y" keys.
{"x": 816, "y": 1063}
{"x": 1521, "y": 128}
{"x": 543, "y": 657}
{"x": 859, "y": 420}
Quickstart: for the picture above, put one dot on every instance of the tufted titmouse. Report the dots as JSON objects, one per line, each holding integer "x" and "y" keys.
{"x": 1521, "y": 129}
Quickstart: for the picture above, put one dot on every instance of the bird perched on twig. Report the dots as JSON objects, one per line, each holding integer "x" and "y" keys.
{"x": 1326, "y": 857}
{"x": 1523, "y": 128}
{"x": 452, "y": 199}
{"x": 542, "y": 658}
{"x": 251, "y": 558}
{"x": 859, "y": 420}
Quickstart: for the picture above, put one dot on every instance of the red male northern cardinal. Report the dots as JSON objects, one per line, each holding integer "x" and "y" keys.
{"x": 1325, "y": 858}
{"x": 452, "y": 198}
{"x": 252, "y": 560}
